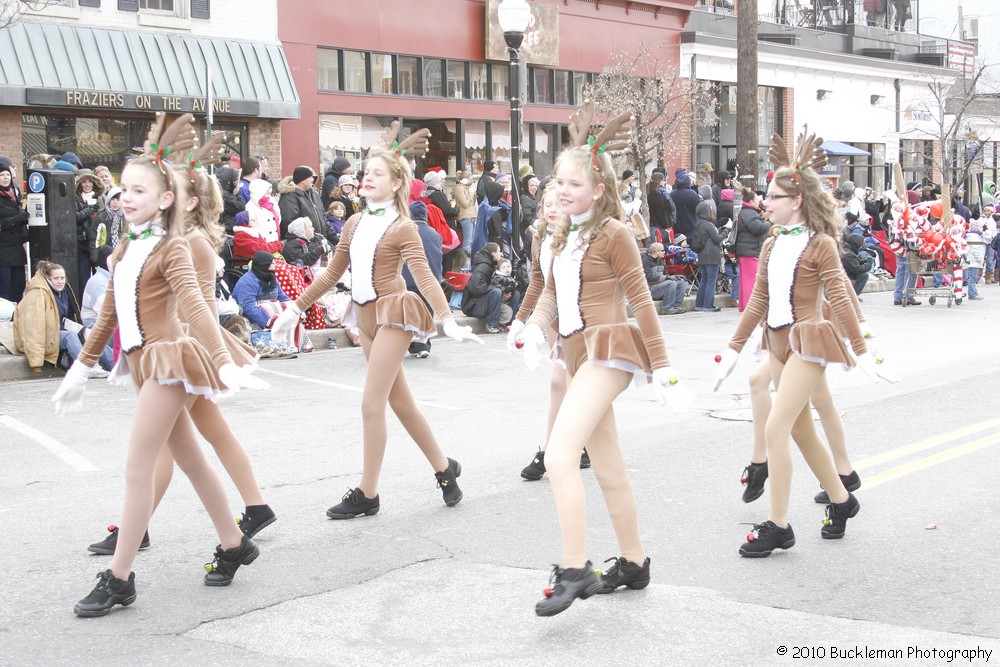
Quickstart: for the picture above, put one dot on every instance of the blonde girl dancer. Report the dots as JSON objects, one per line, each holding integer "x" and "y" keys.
{"x": 374, "y": 244}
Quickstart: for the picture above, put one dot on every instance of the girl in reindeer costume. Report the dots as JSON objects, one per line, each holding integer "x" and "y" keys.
{"x": 198, "y": 200}
{"x": 374, "y": 244}
{"x": 595, "y": 264}
{"x": 799, "y": 263}
{"x": 152, "y": 277}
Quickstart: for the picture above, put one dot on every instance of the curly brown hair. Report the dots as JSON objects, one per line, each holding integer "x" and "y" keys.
{"x": 818, "y": 207}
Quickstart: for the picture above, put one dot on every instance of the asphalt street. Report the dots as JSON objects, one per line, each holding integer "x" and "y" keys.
{"x": 421, "y": 583}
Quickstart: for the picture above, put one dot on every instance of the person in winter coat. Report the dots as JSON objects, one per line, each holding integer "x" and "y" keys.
{"x": 724, "y": 210}
{"x": 259, "y": 285}
{"x": 723, "y": 181}
{"x": 93, "y": 298}
{"x": 668, "y": 290}
{"x": 686, "y": 202}
{"x": 336, "y": 217}
{"x": 303, "y": 243}
{"x": 529, "y": 200}
{"x": 706, "y": 240}
{"x": 856, "y": 265}
{"x": 331, "y": 179}
{"x": 299, "y": 200}
{"x": 480, "y": 298}
{"x": 255, "y": 229}
{"x": 466, "y": 214}
{"x": 490, "y": 171}
{"x": 260, "y": 211}
{"x": 750, "y": 234}
{"x": 231, "y": 203}
{"x": 434, "y": 190}
{"x": 40, "y": 331}
{"x": 431, "y": 242}
{"x": 662, "y": 213}
{"x": 705, "y": 193}
{"x": 346, "y": 193}
{"x": 88, "y": 204}
{"x": 13, "y": 234}
{"x": 112, "y": 218}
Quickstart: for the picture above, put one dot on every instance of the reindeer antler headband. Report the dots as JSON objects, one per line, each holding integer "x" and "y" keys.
{"x": 809, "y": 155}
{"x": 179, "y": 136}
{"x": 208, "y": 153}
{"x": 615, "y": 136}
{"x": 415, "y": 145}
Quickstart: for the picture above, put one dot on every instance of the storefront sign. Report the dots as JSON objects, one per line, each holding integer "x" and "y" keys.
{"x": 962, "y": 57}
{"x": 91, "y": 99}
{"x": 892, "y": 147}
{"x": 541, "y": 39}
{"x": 832, "y": 166}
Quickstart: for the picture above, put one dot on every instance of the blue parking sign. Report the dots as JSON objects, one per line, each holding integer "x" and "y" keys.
{"x": 36, "y": 182}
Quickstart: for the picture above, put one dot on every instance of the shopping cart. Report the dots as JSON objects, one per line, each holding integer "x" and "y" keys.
{"x": 931, "y": 271}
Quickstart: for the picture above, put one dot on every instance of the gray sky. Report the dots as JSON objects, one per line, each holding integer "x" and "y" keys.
{"x": 940, "y": 18}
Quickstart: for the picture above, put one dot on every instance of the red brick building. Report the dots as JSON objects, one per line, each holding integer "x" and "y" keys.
{"x": 358, "y": 67}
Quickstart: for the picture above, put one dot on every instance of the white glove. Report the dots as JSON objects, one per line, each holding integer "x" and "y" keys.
{"x": 69, "y": 396}
{"x": 516, "y": 327}
{"x": 536, "y": 349}
{"x": 236, "y": 378}
{"x": 726, "y": 365}
{"x": 868, "y": 365}
{"x": 670, "y": 392}
{"x": 286, "y": 321}
{"x": 455, "y": 331}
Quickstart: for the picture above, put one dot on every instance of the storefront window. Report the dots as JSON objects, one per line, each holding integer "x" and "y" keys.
{"x": 348, "y": 136}
{"x": 328, "y": 69}
{"x": 766, "y": 114}
{"x": 580, "y": 79}
{"x": 97, "y": 141}
{"x": 432, "y": 77}
{"x": 409, "y": 75}
{"x": 475, "y": 146}
{"x": 456, "y": 79}
{"x": 542, "y": 80}
{"x": 546, "y": 148}
{"x": 501, "y": 81}
{"x": 355, "y": 71}
{"x": 917, "y": 160}
{"x": 479, "y": 86}
{"x": 382, "y": 73}
{"x": 562, "y": 87}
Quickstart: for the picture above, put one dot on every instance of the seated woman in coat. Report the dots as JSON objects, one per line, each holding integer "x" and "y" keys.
{"x": 47, "y": 319}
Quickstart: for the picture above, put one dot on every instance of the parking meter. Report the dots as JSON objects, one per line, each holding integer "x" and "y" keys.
{"x": 51, "y": 203}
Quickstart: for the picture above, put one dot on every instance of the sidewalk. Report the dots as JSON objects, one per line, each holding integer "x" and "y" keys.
{"x": 15, "y": 367}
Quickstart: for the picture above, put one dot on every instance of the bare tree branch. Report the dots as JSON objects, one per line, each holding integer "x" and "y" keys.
{"x": 662, "y": 103}
{"x": 11, "y": 11}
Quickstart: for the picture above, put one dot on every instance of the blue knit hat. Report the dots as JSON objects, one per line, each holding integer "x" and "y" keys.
{"x": 72, "y": 159}
{"x": 62, "y": 165}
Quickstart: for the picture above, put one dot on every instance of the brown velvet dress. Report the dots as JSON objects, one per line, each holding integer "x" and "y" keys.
{"x": 204, "y": 257}
{"x": 610, "y": 271}
{"x": 814, "y": 338}
{"x": 392, "y": 305}
{"x": 151, "y": 285}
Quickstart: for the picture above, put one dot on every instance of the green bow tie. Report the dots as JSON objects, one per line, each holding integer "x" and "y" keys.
{"x": 377, "y": 211}
{"x": 792, "y": 231}
{"x": 144, "y": 234}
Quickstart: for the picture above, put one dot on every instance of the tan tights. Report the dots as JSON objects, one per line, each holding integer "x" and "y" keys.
{"x": 161, "y": 419}
{"x": 795, "y": 381}
{"x": 207, "y": 417}
{"x": 386, "y": 384}
{"x": 586, "y": 419}
{"x": 822, "y": 400}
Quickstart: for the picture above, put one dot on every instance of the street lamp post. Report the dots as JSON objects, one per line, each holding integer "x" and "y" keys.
{"x": 514, "y": 16}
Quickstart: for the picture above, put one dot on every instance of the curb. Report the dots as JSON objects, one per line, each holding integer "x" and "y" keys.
{"x": 15, "y": 367}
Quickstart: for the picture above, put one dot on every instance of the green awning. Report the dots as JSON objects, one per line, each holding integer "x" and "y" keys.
{"x": 52, "y": 64}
